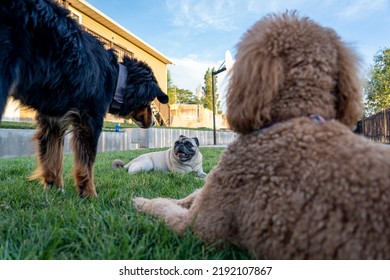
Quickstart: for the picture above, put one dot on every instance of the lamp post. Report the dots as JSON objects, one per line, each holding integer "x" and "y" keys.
{"x": 227, "y": 64}
{"x": 214, "y": 73}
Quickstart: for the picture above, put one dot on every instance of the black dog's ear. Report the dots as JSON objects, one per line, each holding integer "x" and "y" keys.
{"x": 162, "y": 97}
{"x": 154, "y": 91}
{"x": 196, "y": 141}
{"x": 141, "y": 84}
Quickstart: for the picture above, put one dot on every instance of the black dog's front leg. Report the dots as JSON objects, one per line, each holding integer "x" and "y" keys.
{"x": 86, "y": 132}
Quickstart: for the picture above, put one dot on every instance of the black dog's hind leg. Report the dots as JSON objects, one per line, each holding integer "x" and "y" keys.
{"x": 86, "y": 132}
{"x": 49, "y": 138}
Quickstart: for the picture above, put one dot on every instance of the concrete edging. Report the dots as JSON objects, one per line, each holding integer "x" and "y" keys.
{"x": 18, "y": 142}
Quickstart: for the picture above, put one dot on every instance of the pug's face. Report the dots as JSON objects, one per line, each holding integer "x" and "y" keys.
{"x": 186, "y": 148}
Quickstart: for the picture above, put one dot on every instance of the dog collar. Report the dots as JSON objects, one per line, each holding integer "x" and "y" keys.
{"x": 315, "y": 118}
{"x": 117, "y": 100}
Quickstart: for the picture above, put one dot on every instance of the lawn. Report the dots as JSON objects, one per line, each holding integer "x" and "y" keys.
{"x": 51, "y": 225}
{"x": 108, "y": 126}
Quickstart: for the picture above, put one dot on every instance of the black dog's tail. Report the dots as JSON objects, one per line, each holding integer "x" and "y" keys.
{"x": 117, "y": 164}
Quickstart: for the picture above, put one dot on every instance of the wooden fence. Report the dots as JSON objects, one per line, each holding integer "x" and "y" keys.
{"x": 376, "y": 127}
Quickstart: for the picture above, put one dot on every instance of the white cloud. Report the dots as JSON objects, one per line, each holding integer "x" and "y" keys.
{"x": 188, "y": 73}
{"x": 359, "y": 9}
{"x": 203, "y": 14}
{"x": 274, "y": 6}
{"x": 255, "y": 6}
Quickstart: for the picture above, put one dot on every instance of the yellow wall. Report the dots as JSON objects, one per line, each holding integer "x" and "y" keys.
{"x": 192, "y": 115}
{"x": 159, "y": 68}
{"x": 11, "y": 111}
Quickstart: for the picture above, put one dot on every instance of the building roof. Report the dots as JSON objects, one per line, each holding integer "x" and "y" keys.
{"x": 115, "y": 27}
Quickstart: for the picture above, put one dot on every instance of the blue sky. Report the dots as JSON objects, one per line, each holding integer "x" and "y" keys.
{"x": 195, "y": 34}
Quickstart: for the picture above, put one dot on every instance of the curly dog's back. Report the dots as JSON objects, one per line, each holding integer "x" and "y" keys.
{"x": 302, "y": 190}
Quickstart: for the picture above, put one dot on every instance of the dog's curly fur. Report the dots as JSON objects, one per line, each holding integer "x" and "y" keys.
{"x": 50, "y": 64}
{"x": 291, "y": 186}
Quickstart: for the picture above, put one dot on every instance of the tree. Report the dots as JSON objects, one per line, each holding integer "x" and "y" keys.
{"x": 185, "y": 96}
{"x": 171, "y": 89}
{"x": 377, "y": 88}
{"x": 207, "y": 99}
{"x": 178, "y": 95}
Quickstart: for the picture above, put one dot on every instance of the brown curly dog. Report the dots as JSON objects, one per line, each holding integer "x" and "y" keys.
{"x": 296, "y": 183}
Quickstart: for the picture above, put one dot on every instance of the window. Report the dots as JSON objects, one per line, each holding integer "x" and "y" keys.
{"x": 106, "y": 43}
{"x": 122, "y": 52}
{"x": 75, "y": 15}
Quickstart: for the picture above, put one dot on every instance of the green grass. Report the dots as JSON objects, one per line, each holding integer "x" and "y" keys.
{"x": 19, "y": 125}
{"x": 50, "y": 225}
{"x": 111, "y": 126}
{"x": 108, "y": 126}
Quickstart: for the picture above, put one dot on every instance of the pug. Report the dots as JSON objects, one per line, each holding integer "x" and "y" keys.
{"x": 184, "y": 157}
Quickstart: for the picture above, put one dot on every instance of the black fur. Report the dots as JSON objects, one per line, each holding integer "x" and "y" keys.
{"x": 50, "y": 64}
{"x": 56, "y": 66}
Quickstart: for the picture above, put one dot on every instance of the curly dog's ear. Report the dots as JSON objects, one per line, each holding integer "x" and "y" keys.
{"x": 252, "y": 85}
{"x": 349, "y": 107}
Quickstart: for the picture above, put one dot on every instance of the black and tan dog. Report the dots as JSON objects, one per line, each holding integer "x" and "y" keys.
{"x": 49, "y": 63}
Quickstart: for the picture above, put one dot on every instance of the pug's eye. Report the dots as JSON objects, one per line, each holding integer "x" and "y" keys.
{"x": 188, "y": 145}
{"x": 177, "y": 142}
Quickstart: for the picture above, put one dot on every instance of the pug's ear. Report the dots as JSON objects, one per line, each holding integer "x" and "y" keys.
{"x": 196, "y": 141}
{"x": 181, "y": 136}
